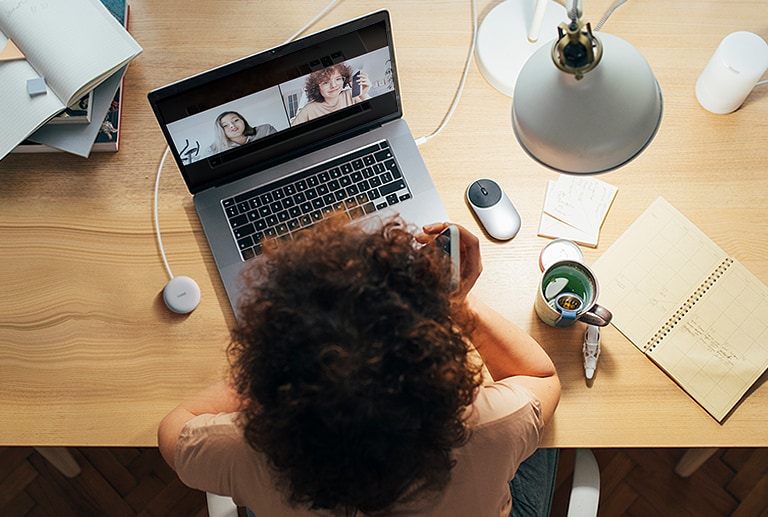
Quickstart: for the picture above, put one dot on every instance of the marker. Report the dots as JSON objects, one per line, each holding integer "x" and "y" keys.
{"x": 591, "y": 350}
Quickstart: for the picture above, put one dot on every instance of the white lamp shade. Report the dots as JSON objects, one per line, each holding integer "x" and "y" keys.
{"x": 591, "y": 125}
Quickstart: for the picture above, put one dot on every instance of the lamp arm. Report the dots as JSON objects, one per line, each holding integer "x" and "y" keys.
{"x": 573, "y": 7}
{"x": 538, "y": 18}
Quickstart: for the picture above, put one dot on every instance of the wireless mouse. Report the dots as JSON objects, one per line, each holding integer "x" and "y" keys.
{"x": 493, "y": 209}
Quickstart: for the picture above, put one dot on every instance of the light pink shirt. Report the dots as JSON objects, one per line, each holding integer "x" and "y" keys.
{"x": 314, "y": 109}
{"x": 506, "y": 427}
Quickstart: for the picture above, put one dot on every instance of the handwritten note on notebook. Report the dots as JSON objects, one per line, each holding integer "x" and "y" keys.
{"x": 575, "y": 208}
{"x": 692, "y": 309}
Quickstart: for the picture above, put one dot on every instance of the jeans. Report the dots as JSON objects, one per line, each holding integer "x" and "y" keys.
{"x": 534, "y": 484}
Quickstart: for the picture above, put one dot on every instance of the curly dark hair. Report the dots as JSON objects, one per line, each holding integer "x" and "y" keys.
{"x": 353, "y": 357}
{"x": 312, "y": 83}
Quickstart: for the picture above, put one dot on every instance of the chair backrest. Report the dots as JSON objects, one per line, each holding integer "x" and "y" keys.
{"x": 220, "y": 506}
{"x": 585, "y": 490}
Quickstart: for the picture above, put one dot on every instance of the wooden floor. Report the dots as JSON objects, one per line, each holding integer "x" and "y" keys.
{"x": 130, "y": 481}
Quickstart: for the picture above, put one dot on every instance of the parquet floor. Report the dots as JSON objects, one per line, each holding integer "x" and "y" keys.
{"x": 130, "y": 481}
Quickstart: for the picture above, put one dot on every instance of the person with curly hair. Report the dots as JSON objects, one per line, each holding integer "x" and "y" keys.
{"x": 357, "y": 384}
{"x": 232, "y": 130}
{"x": 329, "y": 90}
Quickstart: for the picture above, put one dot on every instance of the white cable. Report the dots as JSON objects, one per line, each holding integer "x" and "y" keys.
{"x": 157, "y": 223}
{"x": 608, "y": 13}
{"x": 616, "y": 4}
{"x": 312, "y": 21}
{"x": 457, "y": 98}
{"x": 168, "y": 149}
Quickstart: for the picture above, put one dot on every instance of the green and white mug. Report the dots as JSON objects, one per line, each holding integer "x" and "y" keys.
{"x": 568, "y": 293}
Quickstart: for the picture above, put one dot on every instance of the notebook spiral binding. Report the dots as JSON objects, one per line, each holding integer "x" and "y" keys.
{"x": 687, "y": 305}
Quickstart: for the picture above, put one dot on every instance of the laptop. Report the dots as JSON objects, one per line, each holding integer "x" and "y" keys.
{"x": 273, "y": 143}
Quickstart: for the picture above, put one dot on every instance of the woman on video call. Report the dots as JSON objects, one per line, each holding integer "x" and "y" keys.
{"x": 233, "y": 130}
{"x": 328, "y": 91}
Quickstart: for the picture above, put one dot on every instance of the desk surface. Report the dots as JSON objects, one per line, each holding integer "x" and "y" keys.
{"x": 90, "y": 356}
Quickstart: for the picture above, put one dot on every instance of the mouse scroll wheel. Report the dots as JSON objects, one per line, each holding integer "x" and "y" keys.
{"x": 484, "y": 191}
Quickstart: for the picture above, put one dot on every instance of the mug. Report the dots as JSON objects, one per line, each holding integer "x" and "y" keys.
{"x": 568, "y": 292}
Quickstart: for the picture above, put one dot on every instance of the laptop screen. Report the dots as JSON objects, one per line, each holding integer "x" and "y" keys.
{"x": 255, "y": 112}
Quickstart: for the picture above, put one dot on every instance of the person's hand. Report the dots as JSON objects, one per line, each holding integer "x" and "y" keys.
{"x": 469, "y": 249}
{"x": 365, "y": 85}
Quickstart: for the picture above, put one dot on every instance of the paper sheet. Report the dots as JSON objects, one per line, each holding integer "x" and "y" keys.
{"x": 575, "y": 208}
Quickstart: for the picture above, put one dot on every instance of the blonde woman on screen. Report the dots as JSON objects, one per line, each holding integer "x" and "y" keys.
{"x": 232, "y": 130}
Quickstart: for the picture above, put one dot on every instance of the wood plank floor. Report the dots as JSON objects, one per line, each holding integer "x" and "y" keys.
{"x": 131, "y": 481}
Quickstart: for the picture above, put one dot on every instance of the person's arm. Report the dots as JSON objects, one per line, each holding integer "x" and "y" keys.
{"x": 219, "y": 398}
{"x": 508, "y": 351}
{"x": 505, "y": 348}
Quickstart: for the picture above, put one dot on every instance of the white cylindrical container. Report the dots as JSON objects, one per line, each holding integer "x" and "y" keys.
{"x": 734, "y": 69}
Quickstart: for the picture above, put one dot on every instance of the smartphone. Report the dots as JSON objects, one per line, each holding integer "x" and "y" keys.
{"x": 355, "y": 85}
{"x": 448, "y": 240}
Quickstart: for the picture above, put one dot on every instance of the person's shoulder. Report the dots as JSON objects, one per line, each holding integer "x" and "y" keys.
{"x": 304, "y": 113}
{"x": 221, "y": 424}
{"x": 502, "y": 399}
{"x": 264, "y": 130}
{"x": 211, "y": 438}
{"x": 212, "y": 455}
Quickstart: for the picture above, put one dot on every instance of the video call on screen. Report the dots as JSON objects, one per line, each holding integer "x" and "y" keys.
{"x": 276, "y": 108}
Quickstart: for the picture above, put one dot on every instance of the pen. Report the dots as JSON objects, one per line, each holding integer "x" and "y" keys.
{"x": 591, "y": 350}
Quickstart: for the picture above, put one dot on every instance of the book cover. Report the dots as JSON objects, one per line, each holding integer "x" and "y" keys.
{"x": 107, "y": 139}
{"x": 79, "y": 113}
{"x": 71, "y": 63}
{"x": 692, "y": 309}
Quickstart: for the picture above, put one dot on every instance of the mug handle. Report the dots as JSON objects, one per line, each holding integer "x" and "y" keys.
{"x": 597, "y": 315}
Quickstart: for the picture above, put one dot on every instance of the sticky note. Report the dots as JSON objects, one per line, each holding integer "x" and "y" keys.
{"x": 10, "y": 51}
{"x": 575, "y": 208}
{"x": 36, "y": 86}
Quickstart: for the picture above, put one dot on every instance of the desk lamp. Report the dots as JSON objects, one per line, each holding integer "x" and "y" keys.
{"x": 585, "y": 104}
{"x": 509, "y": 35}
{"x": 569, "y": 113}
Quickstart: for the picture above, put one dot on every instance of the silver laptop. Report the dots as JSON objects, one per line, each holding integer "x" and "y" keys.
{"x": 273, "y": 143}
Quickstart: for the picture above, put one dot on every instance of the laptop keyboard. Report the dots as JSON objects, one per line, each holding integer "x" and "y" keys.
{"x": 357, "y": 184}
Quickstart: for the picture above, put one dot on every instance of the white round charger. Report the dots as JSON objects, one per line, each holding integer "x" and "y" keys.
{"x": 181, "y": 294}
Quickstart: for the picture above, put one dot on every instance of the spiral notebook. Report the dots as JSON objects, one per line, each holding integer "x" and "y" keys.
{"x": 696, "y": 312}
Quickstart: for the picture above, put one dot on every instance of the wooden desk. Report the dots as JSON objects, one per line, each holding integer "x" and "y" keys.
{"x": 90, "y": 356}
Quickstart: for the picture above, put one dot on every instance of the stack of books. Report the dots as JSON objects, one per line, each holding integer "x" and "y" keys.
{"x": 61, "y": 89}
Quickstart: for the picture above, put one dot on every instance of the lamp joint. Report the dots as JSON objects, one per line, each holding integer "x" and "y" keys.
{"x": 577, "y": 50}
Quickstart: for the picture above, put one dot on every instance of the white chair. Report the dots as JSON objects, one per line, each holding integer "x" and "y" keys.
{"x": 585, "y": 490}
{"x": 220, "y": 506}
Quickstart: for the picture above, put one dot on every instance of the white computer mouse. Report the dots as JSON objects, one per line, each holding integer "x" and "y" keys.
{"x": 493, "y": 209}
